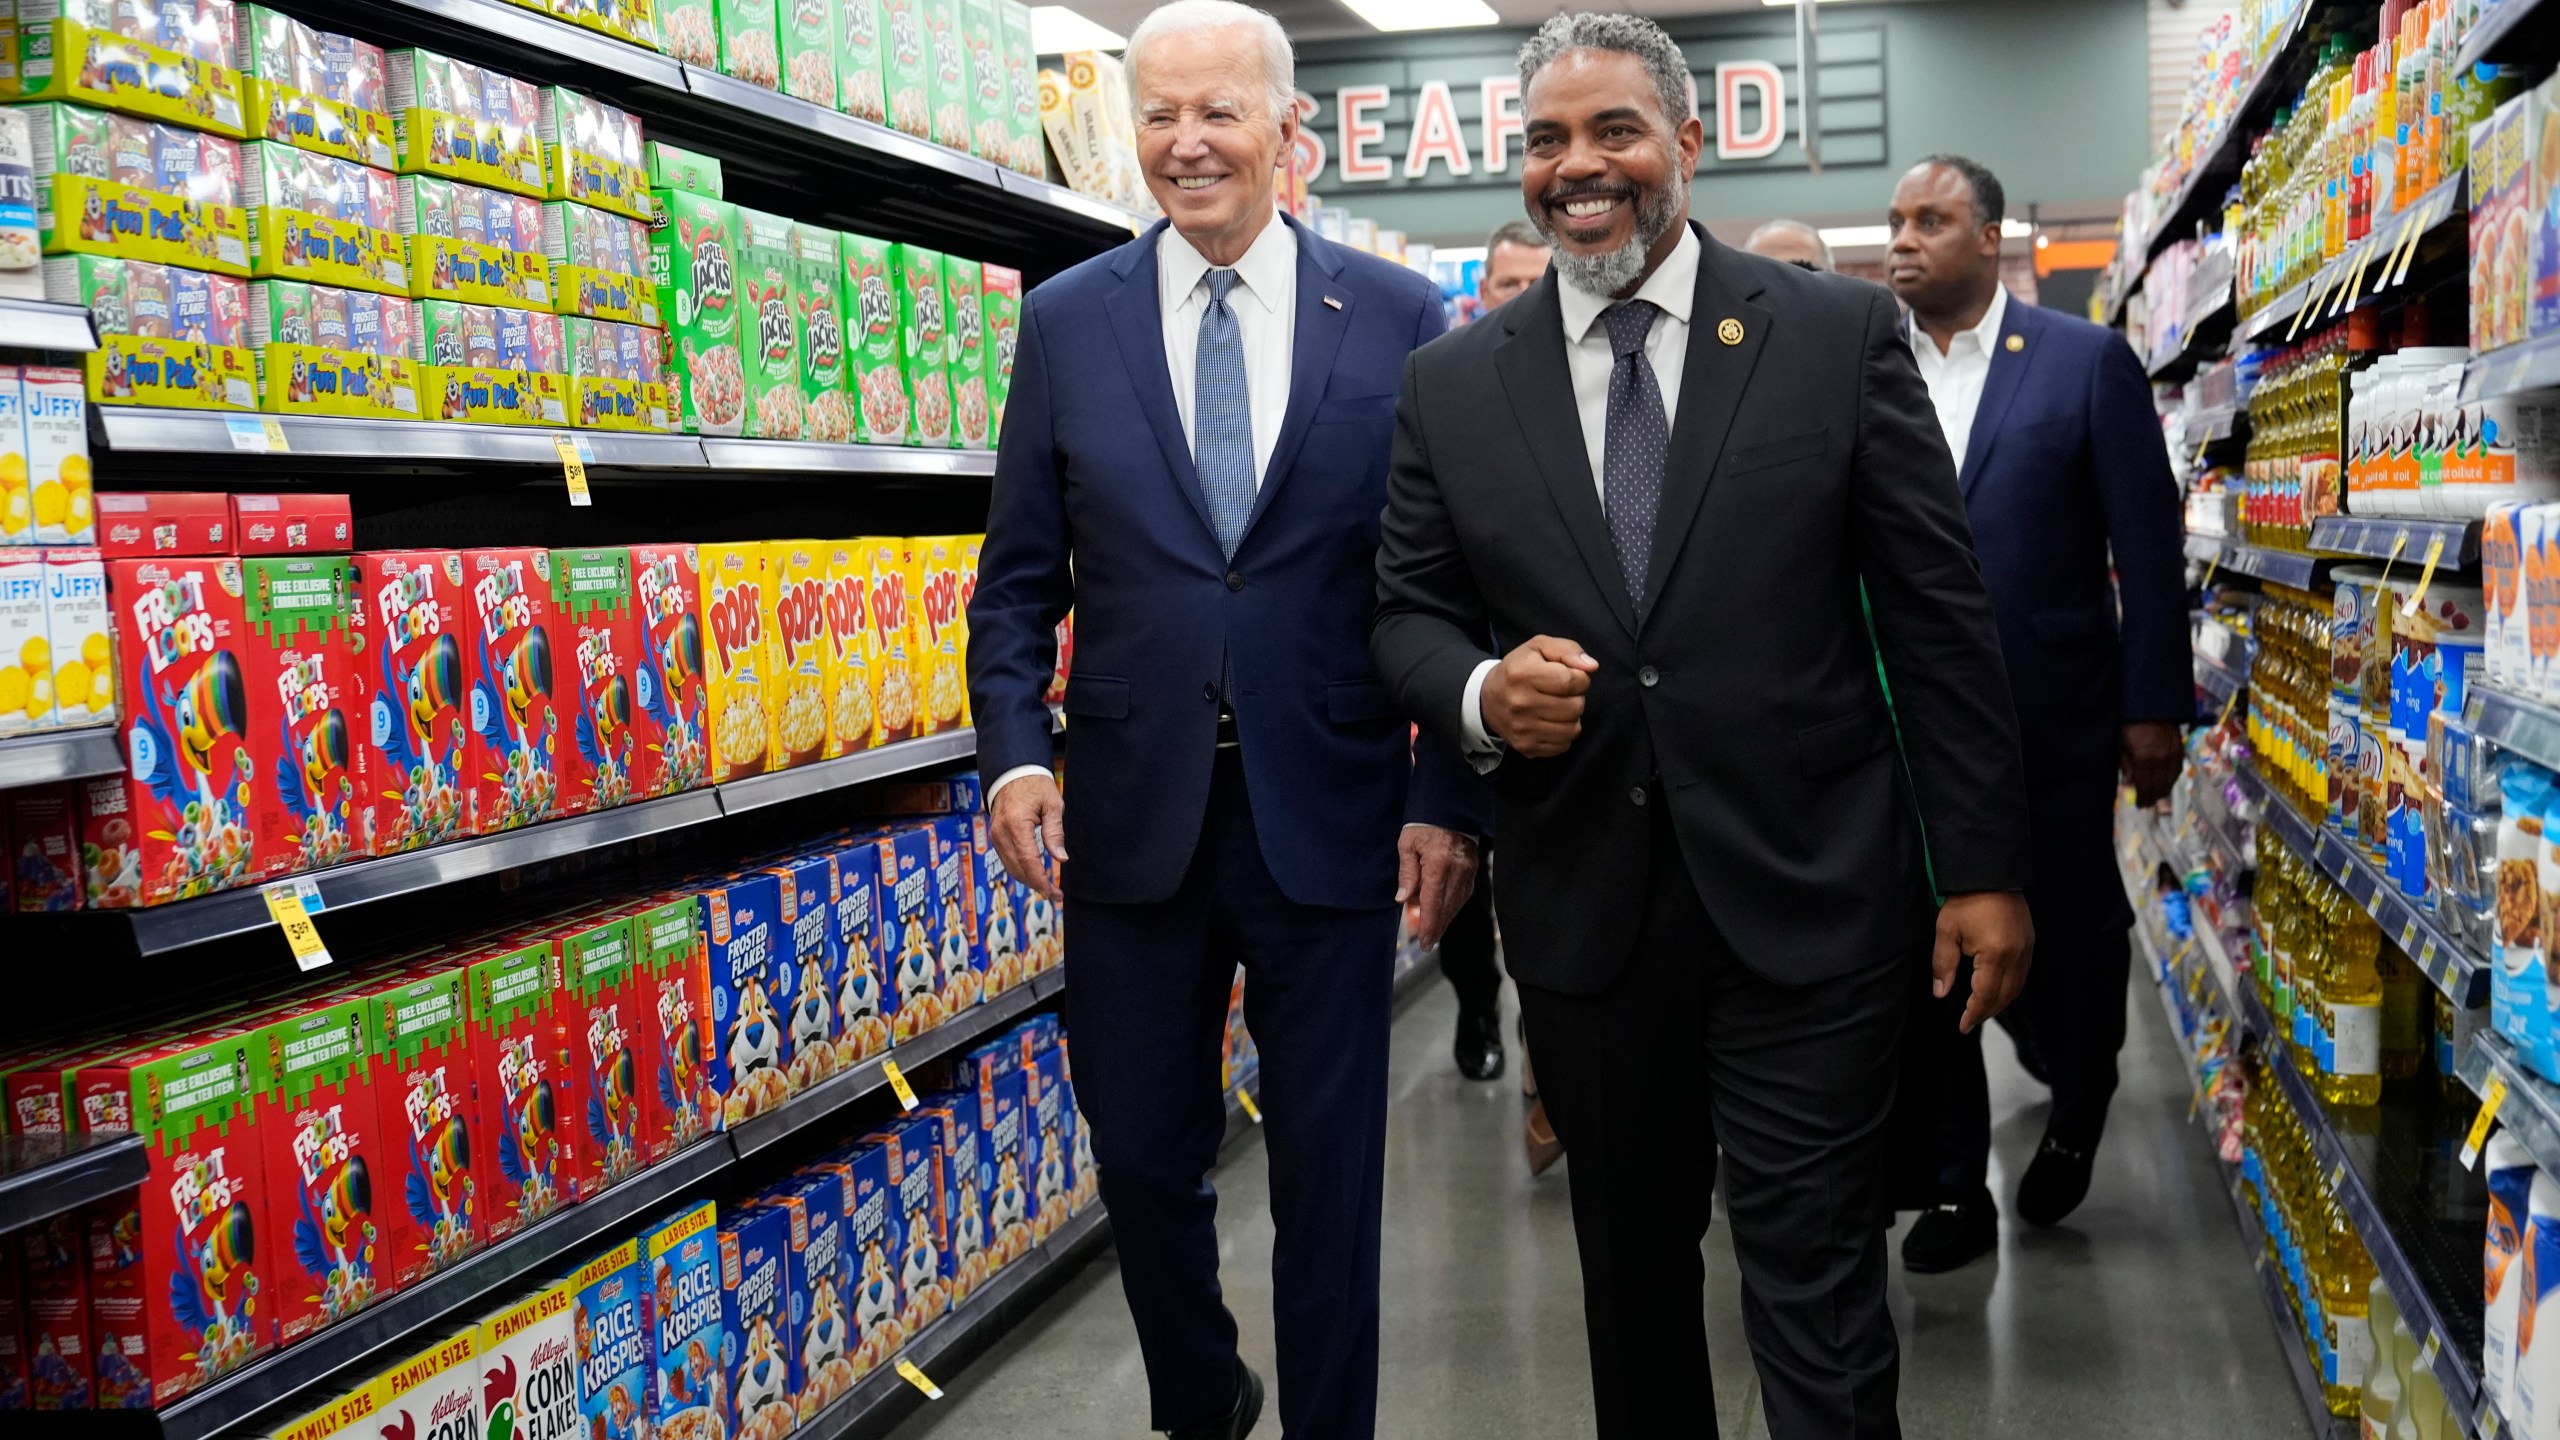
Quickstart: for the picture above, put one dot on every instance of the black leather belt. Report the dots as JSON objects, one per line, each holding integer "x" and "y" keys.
{"x": 1227, "y": 736}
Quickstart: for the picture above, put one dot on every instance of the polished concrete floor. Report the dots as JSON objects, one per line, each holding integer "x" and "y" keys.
{"x": 2139, "y": 1317}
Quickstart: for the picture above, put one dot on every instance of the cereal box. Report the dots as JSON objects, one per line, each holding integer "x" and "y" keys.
{"x": 17, "y": 512}
{"x": 279, "y": 61}
{"x": 941, "y": 631}
{"x": 302, "y": 228}
{"x": 129, "y": 75}
{"x": 858, "y": 61}
{"x": 989, "y": 87}
{"x": 1000, "y": 306}
{"x": 2542, "y": 144}
{"x": 954, "y": 1117}
{"x": 946, "y": 81}
{"x": 2501, "y": 230}
{"x": 818, "y": 1276}
{"x": 671, "y": 168}
{"x": 285, "y": 524}
{"x": 796, "y": 648}
{"x": 14, "y": 1351}
{"x": 1084, "y": 1177}
{"x": 436, "y": 1157}
{"x": 774, "y": 406}
{"x": 961, "y": 954}
{"x": 443, "y": 123}
{"x": 591, "y": 596}
{"x": 914, "y": 1151}
{"x": 26, "y": 666}
{"x": 875, "y": 371}
{"x": 140, "y": 359}
{"x": 21, "y": 242}
{"x": 874, "y": 1249}
{"x": 53, "y": 1269}
{"x": 924, "y": 345}
{"x": 692, "y": 32}
{"x": 677, "y": 997}
{"x": 484, "y": 270}
{"x": 41, "y": 826}
{"x": 324, "y": 1146}
{"x": 807, "y": 29}
{"x": 612, "y": 1341}
{"x": 861, "y": 1026}
{"x": 845, "y": 653}
{"x": 682, "y": 1304}
{"x": 493, "y": 395}
{"x": 963, "y": 284}
{"x": 1004, "y": 1117}
{"x": 912, "y": 933}
{"x": 193, "y": 798}
{"x": 895, "y": 658}
{"x": 602, "y": 1004}
{"x": 743, "y": 926}
{"x": 759, "y": 1366}
{"x": 691, "y": 262}
{"x": 416, "y": 678}
{"x": 1052, "y": 1119}
{"x": 750, "y": 48}
{"x": 512, "y": 768}
{"x": 667, "y": 755}
{"x": 446, "y": 1400}
{"x": 809, "y": 888}
{"x": 818, "y": 295}
{"x": 599, "y": 264}
{"x": 528, "y": 1364}
{"x": 1022, "y": 75}
{"x": 165, "y": 523}
{"x": 297, "y": 608}
{"x": 85, "y": 204}
{"x": 591, "y": 153}
{"x": 737, "y": 602}
{"x": 517, "y": 1054}
{"x": 906, "y": 64}
{"x": 998, "y": 908}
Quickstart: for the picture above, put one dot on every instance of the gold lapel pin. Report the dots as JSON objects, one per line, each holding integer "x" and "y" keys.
{"x": 2016, "y": 343}
{"x": 1730, "y": 332}
{"x": 1330, "y": 301}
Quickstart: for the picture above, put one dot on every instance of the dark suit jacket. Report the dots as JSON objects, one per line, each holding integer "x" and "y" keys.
{"x": 1097, "y": 508}
{"x": 2065, "y": 468}
{"x": 1803, "y": 459}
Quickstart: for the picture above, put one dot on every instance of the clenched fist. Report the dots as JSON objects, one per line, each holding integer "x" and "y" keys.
{"x": 1532, "y": 701}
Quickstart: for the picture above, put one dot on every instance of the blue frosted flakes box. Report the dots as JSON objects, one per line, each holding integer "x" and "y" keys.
{"x": 759, "y": 1368}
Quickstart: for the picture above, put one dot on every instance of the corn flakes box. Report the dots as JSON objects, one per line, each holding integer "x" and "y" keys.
{"x": 912, "y": 932}
{"x": 86, "y": 203}
{"x": 512, "y": 767}
{"x": 604, "y": 1012}
{"x": 925, "y": 352}
{"x": 875, "y": 371}
{"x": 591, "y": 153}
{"x": 862, "y": 1028}
{"x": 52, "y": 1264}
{"x": 26, "y": 663}
{"x": 737, "y": 606}
{"x": 808, "y": 887}
{"x": 946, "y": 78}
{"x": 528, "y": 1365}
{"x": 942, "y": 630}
{"x": 1022, "y": 80}
{"x": 1000, "y": 310}
{"x": 518, "y": 1054}
{"x": 422, "y": 1031}
{"x": 194, "y": 798}
{"x": 965, "y": 1176}
{"x": 875, "y": 1249}
{"x": 682, "y": 1309}
{"x": 759, "y": 1366}
{"x": 667, "y": 754}
{"x": 691, "y": 261}
{"x": 692, "y": 32}
{"x": 463, "y": 123}
{"x": 961, "y": 955}
{"x": 745, "y": 936}
{"x": 818, "y": 1277}
{"x": 845, "y": 650}
{"x": 987, "y": 88}
{"x": 324, "y": 1150}
{"x": 416, "y": 678}
{"x": 611, "y": 1341}
{"x": 676, "y": 1000}
{"x": 599, "y": 264}
{"x": 314, "y": 218}
{"x": 61, "y": 58}
{"x": 913, "y": 1149}
{"x": 591, "y": 593}
{"x": 859, "y": 90}
{"x": 796, "y": 645}
{"x": 964, "y": 284}
{"x": 765, "y": 270}
{"x": 297, "y": 608}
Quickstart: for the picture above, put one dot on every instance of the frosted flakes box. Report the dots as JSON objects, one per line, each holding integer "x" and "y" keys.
{"x": 862, "y": 1027}
{"x": 933, "y": 567}
{"x": 591, "y": 595}
{"x": 98, "y": 191}
{"x": 611, "y": 1340}
{"x": 914, "y": 1152}
{"x": 954, "y": 1116}
{"x": 759, "y": 1366}
{"x": 683, "y": 1308}
{"x": 924, "y": 345}
{"x": 796, "y": 646}
{"x": 989, "y": 87}
{"x": 692, "y": 261}
{"x": 998, "y": 907}
{"x": 602, "y": 1019}
{"x": 896, "y": 664}
{"x": 528, "y": 1366}
{"x": 946, "y": 72}
{"x": 26, "y": 669}
{"x": 411, "y": 615}
{"x": 742, "y": 925}
{"x": 773, "y": 401}
{"x": 845, "y": 650}
{"x": 818, "y": 294}
{"x": 463, "y": 123}
{"x": 1000, "y": 306}
{"x": 142, "y": 357}
{"x": 297, "y": 608}
{"x": 513, "y": 764}
{"x": 676, "y": 998}
{"x": 668, "y": 754}
{"x": 858, "y": 61}
{"x": 875, "y": 371}
{"x": 325, "y": 1149}
{"x": 1052, "y": 1120}
{"x": 324, "y": 351}
{"x": 517, "y": 1053}
{"x": 737, "y": 607}
{"x": 499, "y": 267}
{"x": 599, "y": 264}
{"x": 1022, "y": 75}
{"x": 816, "y": 1277}
{"x": 911, "y": 932}
{"x": 808, "y": 888}
{"x": 438, "y": 1160}
{"x": 874, "y": 1249}
{"x": 120, "y": 58}
{"x": 692, "y": 32}
{"x": 323, "y": 97}
{"x": 961, "y": 955}
{"x": 591, "y": 153}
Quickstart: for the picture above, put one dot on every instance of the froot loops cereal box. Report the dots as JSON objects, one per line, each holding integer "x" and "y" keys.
{"x": 436, "y": 1156}
{"x": 591, "y": 592}
{"x": 325, "y": 1151}
{"x": 512, "y": 767}
{"x": 759, "y": 1364}
{"x": 743, "y": 926}
{"x": 796, "y": 650}
{"x": 818, "y": 1277}
{"x": 517, "y": 1055}
{"x": 862, "y": 1028}
{"x": 845, "y": 656}
{"x": 416, "y": 672}
{"x": 683, "y": 1307}
{"x": 601, "y": 1016}
{"x": 297, "y": 609}
{"x": 610, "y": 1338}
{"x": 528, "y": 1366}
{"x": 737, "y": 606}
{"x": 677, "y": 1103}
{"x": 667, "y": 684}
{"x": 873, "y": 1248}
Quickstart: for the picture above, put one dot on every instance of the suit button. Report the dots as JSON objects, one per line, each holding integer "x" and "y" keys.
{"x": 1208, "y": 689}
{"x": 1235, "y": 579}
{"x": 1648, "y": 677}
{"x": 1635, "y": 795}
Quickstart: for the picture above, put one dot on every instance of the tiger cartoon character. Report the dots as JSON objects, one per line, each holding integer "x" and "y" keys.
{"x": 297, "y": 386}
{"x": 1004, "y": 942}
{"x": 755, "y": 1056}
{"x": 115, "y": 382}
{"x": 961, "y": 987}
{"x": 93, "y": 217}
{"x": 454, "y": 408}
{"x": 826, "y": 1365}
{"x": 919, "y": 1006}
{"x": 1040, "y": 942}
{"x": 1008, "y": 1214}
{"x": 813, "y": 1025}
{"x": 920, "y": 1276}
{"x": 764, "y": 1384}
{"x": 875, "y": 1311}
{"x": 968, "y": 1238}
{"x": 861, "y": 1032}
{"x": 1049, "y": 1184}
{"x": 1087, "y": 1187}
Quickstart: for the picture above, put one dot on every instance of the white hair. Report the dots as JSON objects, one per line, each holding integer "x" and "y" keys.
{"x": 1183, "y": 17}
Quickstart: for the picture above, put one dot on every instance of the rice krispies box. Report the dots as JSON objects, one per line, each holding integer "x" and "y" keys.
{"x": 896, "y": 705}
{"x": 808, "y": 886}
{"x": 409, "y": 620}
{"x": 674, "y": 970}
{"x": 528, "y": 1366}
{"x": 964, "y": 285}
{"x": 683, "y": 1309}
{"x": 591, "y": 595}
{"x": 914, "y": 1152}
{"x": 911, "y": 932}
{"x": 759, "y": 1366}
{"x": 769, "y": 326}
{"x": 749, "y": 991}
{"x": 875, "y": 374}
{"x": 1000, "y": 307}
{"x": 818, "y": 1277}
{"x": 511, "y": 768}
{"x": 845, "y": 655}
{"x": 611, "y": 1339}
{"x": 692, "y": 261}
{"x": 325, "y": 1149}
{"x": 297, "y": 608}
{"x": 862, "y": 1029}
{"x": 436, "y": 1160}
{"x": 796, "y": 648}
{"x": 603, "y": 1020}
{"x": 874, "y": 1248}
{"x": 954, "y": 1114}
{"x": 924, "y": 346}
{"x": 736, "y": 606}
{"x": 518, "y": 1051}
{"x": 858, "y": 61}
{"x": 667, "y": 755}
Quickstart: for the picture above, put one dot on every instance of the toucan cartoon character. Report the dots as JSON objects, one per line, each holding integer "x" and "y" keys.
{"x": 813, "y": 1013}
{"x": 213, "y": 1281}
{"x": 335, "y": 1232}
{"x": 669, "y": 665}
{"x": 412, "y": 696}
{"x": 529, "y": 1147}
{"x": 440, "y": 1187}
{"x": 521, "y": 677}
{"x": 303, "y": 771}
{"x": 610, "y": 1104}
{"x": 604, "y": 726}
{"x": 175, "y": 739}
{"x": 756, "y": 1042}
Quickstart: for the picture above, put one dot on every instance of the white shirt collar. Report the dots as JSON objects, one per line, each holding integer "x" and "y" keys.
{"x": 1985, "y": 333}
{"x": 1672, "y": 287}
{"x": 1268, "y": 261}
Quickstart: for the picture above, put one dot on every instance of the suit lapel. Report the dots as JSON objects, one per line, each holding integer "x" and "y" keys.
{"x": 1317, "y": 337}
{"x": 1138, "y": 321}
{"x": 1539, "y": 386}
{"x": 1712, "y": 380}
{"x": 1999, "y": 387}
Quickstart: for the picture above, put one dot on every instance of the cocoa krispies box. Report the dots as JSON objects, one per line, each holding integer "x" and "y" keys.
{"x": 511, "y": 767}
{"x": 668, "y": 752}
{"x": 416, "y": 673}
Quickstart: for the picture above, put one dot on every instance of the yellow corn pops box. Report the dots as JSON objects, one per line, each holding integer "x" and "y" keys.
{"x": 846, "y": 656}
{"x": 941, "y": 629}
{"x": 896, "y": 713}
{"x": 737, "y": 610}
{"x": 795, "y": 646}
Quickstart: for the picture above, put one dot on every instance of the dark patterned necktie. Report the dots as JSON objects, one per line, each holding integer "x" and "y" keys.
{"x": 1636, "y": 444}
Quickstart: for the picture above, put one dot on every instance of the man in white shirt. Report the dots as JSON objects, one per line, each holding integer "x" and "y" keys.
{"x": 1194, "y": 462}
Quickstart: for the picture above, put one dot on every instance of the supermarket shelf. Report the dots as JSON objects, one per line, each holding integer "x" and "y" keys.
{"x": 2373, "y": 255}
{"x": 41, "y": 325}
{"x": 757, "y": 791}
{"x": 133, "y": 430}
{"x": 818, "y": 122}
{"x": 2218, "y": 682}
{"x": 2528, "y": 727}
{"x": 43, "y": 1175}
{"x": 2385, "y": 538}
{"x": 812, "y": 456}
{"x": 2531, "y": 1111}
{"x": 2531, "y": 365}
{"x": 2218, "y": 162}
{"x": 2516, "y": 32}
{"x": 447, "y": 21}
{"x": 2282, "y": 566}
{"x": 51, "y": 755}
{"x": 2461, "y": 975}
{"x": 2217, "y": 423}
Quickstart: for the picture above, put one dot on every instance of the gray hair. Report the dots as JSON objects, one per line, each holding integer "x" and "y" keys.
{"x": 1821, "y": 246}
{"x": 1625, "y": 34}
{"x": 1514, "y": 232}
{"x": 1183, "y": 17}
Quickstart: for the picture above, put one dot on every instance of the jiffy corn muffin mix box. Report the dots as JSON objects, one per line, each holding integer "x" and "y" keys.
{"x": 512, "y": 766}
{"x": 591, "y": 593}
{"x": 79, "y": 645}
{"x": 736, "y": 609}
{"x": 667, "y": 684}
{"x": 796, "y": 648}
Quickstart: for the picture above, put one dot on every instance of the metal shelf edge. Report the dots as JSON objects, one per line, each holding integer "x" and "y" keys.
{"x": 528, "y": 27}
{"x": 142, "y": 430}
{"x": 34, "y": 1188}
{"x": 2493, "y": 30}
{"x": 757, "y": 791}
{"x": 43, "y": 325}
{"x": 732, "y": 453}
{"x": 53, "y": 755}
{"x": 2383, "y": 537}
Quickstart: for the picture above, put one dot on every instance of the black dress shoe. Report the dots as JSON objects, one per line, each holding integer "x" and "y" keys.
{"x": 1952, "y": 1235}
{"x": 2057, "y": 1180}
{"x": 1237, "y": 1423}
{"x": 1479, "y": 1044}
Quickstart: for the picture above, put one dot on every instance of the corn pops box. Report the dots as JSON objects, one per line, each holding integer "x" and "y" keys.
{"x": 691, "y": 261}
{"x": 599, "y": 264}
{"x": 297, "y": 608}
{"x": 667, "y": 684}
{"x": 773, "y": 402}
{"x": 743, "y": 928}
{"x": 591, "y": 153}
{"x": 193, "y": 795}
{"x": 964, "y": 284}
{"x": 682, "y": 1305}
{"x": 933, "y": 566}
{"x": 845, "y": 649}
{"x": 416, "y": 678}
{"x": 862, "y": 1028}
{"x": 518, "y": 1050}
{"x": 874, "y": 1247}
{"x": 874, "y": 369}
{"x": 914, "y": 1152}
{"x": 603, "y": 1015}
{"x": 1000, "y": 312}
{"x": 818, "y": 296}
{"x": 911, "y": 932}
{"x": 858, "y": 61}
{"x": 808, "y": 888}
{"x": 925, "y": 345}
{"x": 796, "y": 647}
{"x": 26, "y": 667}
{"x": 989, "y": 88}
{"x": 692, "y": 32}
{"x": 895, "y": 659}
{"x": 759, "y": 1366}
{"x": 512, "y": 766}
{"x": 737, "y": 602}
{"x": 324, "y": 1146}
{"x": 1022, "y": 76}
{"x": 53, "y": 1269}
{"x": 946, "y": 80}
{"x": 430, "y": 1117}
{"x": 86, "y": 203}
{"x": 676, "y": 998}
{"x": 528, "y": 1366}
{"x": 954, "y": 1116}
{"x": 61, "y": 58}
{"x": 591, "y": 595}
{"x": 611, "y": 1341}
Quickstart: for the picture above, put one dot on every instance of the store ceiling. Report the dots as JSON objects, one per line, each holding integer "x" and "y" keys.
{"x": 1327, "y": 20}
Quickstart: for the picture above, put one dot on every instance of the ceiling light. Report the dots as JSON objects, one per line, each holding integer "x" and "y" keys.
{"x": 1852, "y": 237}
{"x": 1055, "y": 30}
{"x": 1423, "y": 14}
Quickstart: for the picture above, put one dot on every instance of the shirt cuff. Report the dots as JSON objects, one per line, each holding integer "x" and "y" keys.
{"x": 1471, "y": 713}
{"x": 1008, "y": 777}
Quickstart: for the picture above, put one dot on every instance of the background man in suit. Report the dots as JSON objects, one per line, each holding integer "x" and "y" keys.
{"x": 2063, "y": 471}
{"x": 1195, "y": 461}
{"x": 1513, "y": 260}
{"x": 1712, "y": 890}
{"x": 1793, "y": 241}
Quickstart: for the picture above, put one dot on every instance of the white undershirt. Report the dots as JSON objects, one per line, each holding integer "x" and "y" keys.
{"x": 1956, "y": 378}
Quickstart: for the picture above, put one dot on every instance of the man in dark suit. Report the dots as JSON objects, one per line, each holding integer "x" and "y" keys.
{"x": 2065, "y": 476}
{"x": 1655, "y": 483}
{"x": 1195, "y": 461}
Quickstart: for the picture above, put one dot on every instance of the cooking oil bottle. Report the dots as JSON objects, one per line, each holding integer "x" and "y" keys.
{"x": 2352, "y": 999}
{"x": 2346, "y": 1280}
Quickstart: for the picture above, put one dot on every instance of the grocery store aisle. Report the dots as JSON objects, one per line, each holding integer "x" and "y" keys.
{"x": 2142, "y": 1318}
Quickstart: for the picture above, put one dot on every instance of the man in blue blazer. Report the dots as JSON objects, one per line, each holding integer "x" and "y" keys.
{"x": 2060, "y": 458}
{"x": 1194, "y": 461}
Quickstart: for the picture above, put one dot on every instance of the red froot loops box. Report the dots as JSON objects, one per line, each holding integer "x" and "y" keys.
{"x": 192, "y": 777}
{"x": 324, "y": 1147}
{"x": 591, "y": 594}
{"x": 668, "y": 754}
{"x": 676, "y": 1099}
{"x": 415, "y": 669}
{"x": 513, "y": 761}
{"x": 297, "y": 607}
{"x": 601, "y": 1014}
{"x": 438, "y": 1154}
{"x": 516, "y": 1048}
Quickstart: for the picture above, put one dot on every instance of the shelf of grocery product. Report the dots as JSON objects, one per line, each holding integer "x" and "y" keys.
{"x": 2528, "y": 365}
{"x": 789, "y": 456}
{"x": 2218, "y": 160}
{"x": 2528, "y": 727}
{"x": 2216, "y": 423}
{"x": 2282, "y": 566}
{"x": 2385, "y": 538}
{"x": 2218, "y": 681}
{"x": 42, "y": 325}
{"x": 2354, "y": 278}
{"x": 2512, "y": 32}
{"x": 44, "y": 1175}
{"x": 2531, "y": 1111}
{"x": 446, "y": 21}
{"x": 2461, "y": 975}
{"x": 757, "y": 791}
{"x": 50, "y": 755}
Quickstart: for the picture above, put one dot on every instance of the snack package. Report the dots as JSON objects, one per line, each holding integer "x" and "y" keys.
{"x": 906, "y": 66}
{"x": 512, "y": 767}
{"x": 683, "y": 1307}
{"x": 669, "y": 167}
{"x": 455, "y": 253}
{"x": 26, "y": 665}
{"x": 924, "y": 346}
{"x": 2501, "y": 230}
{"x": 591, "y": 153}
{"x": 946, "y": 72}
{"x": 874, "y": 369}
{"x": 603, "y": 1019}
{"x": 742, "y": 928}
{"x": 765, "y": 267}
{"x": 416, "y": 675}
{"x": 422, "y": 1028}
{"x": 817, "y": 1275}
{"x": 808, "y": 888}
{"x": 297, "y": 608}
{"x": 675, "y": 976}
{"x": 862, "y": 1029}
{"x": 750, "y": 45}
{"x": 736, "y": 601}
{"x": 667, "y": 684}
{"x": 874, "y": 1248}
{"x": 859, "y": 61}
{"x": 591, "y": 592}
{"x": 690, "y": 261}
{"x": 97, "y": 191}
{"x": 94, "y": 55}
{"x": 325, "y": 1149}
{"x": 759, "y": 1367}
{"x": 609, "y": 1320}
{"x": 845, "y": 649}
{"x": 818, "y": 295}
{"x": 528, "y": 1365}
{"x": 796, "y": 648}
{"x": 142, "y": 357}
{"x": 164, "y": 523}
{"x": 964, "y": 284}
{"x": 896, "y": 658}
{"x": 934, "y": 574}
{"x": 517, "y": 1054}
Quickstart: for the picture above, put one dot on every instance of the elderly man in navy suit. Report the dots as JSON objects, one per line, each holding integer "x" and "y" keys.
{"x": 1194, "y": 461}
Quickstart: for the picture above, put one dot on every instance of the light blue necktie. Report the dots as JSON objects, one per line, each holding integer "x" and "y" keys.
{"x": 1222, "y": 418}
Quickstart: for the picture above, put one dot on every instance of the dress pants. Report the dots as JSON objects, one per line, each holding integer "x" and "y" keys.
{"x": 1147, "y": 1004}
{"x": 1467, "y": 948}
{"x": 1688, "y": 1053}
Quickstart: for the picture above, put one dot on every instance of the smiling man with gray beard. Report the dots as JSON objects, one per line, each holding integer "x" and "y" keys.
{"x": 1656, "y": 482}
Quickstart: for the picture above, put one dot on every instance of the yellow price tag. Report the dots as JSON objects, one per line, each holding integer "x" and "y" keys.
{"x": 573, "y": 463}
{"x": 2225, "y": 717}
{"x": 2426, "y": 577}
{"x": 276, "y": 439}
{"x": 1252, "y": 1111}
{"x": 908, "y": 1372}
{"x": 2397, "y": 261}
{"x": 2434, "y": 1347}
{"x": 898, "y": 1085}
{"x": 2211, "y": 564}
{"x": 2490, "y": 1100}
{"x": 2310, "y": 304}
{"x": 285, "y": 905}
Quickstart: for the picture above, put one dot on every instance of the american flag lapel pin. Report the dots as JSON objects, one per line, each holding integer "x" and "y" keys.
{"x": 1332, "y": 302}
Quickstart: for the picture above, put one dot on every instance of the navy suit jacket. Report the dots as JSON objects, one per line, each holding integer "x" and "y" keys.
{"x": 2065, "y": 468}
{"x": 1097, "y": 509}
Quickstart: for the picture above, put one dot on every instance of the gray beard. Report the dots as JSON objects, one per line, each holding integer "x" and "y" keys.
{"x": 1603, "y": 276}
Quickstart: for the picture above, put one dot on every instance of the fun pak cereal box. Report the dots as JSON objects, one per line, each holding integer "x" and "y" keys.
{"x": 683, "y": 1307}
{"x": 612, "y": 1341}
{"x": 290, "y": 89}
{"x": 591, "y": 153}
{"x": 862, "y": 1029}
{"x": 677, "y": 999}
{"x": 743, "y": 927}
{"x": 513, "y": 763}
{"x": 602, "y": 1008}
{"x": 796, "y": 648}
{"x": 431, "y": 1116}
{"x": 193, "y": 799}
{"x": 99, "y": 190}
{"x": 528, "y": 1366}
{"x": 692, "y": 261}
{"x": 736, "y": 601}
{"x": 817, "y": 1278}
{"x": 459, "y": 122}
{"x": 297, "y": 608}
{"x": 845, "y": 652}
{"x": 517, "y": 1053}
{"x": 170, "y": 63}
{"x": 667, "y": 684}
{"x": 417, "y": 679}
{"x": 858, "y": 61}
{"x": 874, "y": 1248}
{"x": 874, "y": 368}
{"x": 591, "y": 595}
{"x": 325, "y": 1147}
{"x": 925, "y": 343}
{"x": 759, "y": 1366}
{"x": 323, "y": 220}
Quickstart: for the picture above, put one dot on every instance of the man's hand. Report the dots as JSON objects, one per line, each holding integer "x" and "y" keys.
{"x": 1024, "y": 814}
{"x": 1532, "y": 701}
{"x": 1435, "y": 873}
{"x": 1993, "y": 927}
{"x": 2153, "y": 753}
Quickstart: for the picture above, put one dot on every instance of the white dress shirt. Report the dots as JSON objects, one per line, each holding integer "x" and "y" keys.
{"x": 1955, "y": 378}
{"x": 1673, "y": 289}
